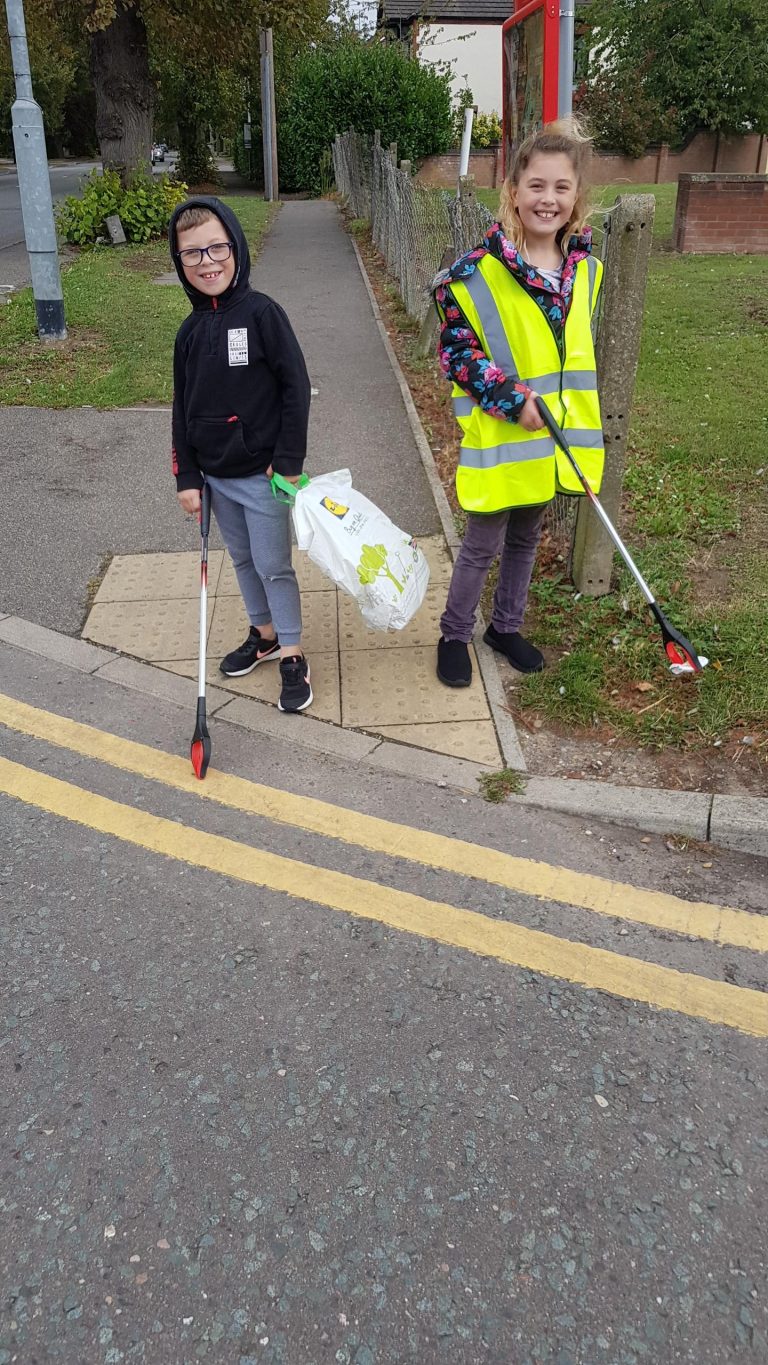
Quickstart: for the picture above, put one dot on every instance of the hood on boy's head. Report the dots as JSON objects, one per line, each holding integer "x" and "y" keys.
{"x": 234, "y": 233}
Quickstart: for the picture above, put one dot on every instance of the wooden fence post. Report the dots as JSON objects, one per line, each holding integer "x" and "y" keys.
{"x": 625, "y": 259}
{"x": 375, "y": 149}
{"x": 405, "y": 194}
{"x": 426, "y": 342}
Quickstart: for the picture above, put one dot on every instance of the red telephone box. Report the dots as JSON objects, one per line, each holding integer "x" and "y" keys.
{"x": 530, "y": 50}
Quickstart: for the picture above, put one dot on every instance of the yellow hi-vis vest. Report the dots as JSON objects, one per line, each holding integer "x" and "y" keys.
{"x": 500, "y": 463}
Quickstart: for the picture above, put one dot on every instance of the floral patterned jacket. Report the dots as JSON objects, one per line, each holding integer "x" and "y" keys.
{"x": 461, "y": 355}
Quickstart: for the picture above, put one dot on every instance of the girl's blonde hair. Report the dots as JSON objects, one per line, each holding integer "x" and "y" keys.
{"x": 568, "y": 137}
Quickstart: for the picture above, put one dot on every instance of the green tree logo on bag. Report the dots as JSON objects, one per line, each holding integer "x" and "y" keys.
{"x": 373, "y": 562}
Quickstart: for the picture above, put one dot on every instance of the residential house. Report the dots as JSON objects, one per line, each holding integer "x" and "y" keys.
{"x": 466, "y": 33}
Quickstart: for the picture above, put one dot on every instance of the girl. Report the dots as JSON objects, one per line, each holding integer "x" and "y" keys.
{"x": 516, "y": 323}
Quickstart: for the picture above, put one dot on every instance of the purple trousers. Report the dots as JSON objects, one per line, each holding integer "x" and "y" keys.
{"x": 516, "y": 534}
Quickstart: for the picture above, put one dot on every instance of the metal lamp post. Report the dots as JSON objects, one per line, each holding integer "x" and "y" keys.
{"x": 35, "y": 186}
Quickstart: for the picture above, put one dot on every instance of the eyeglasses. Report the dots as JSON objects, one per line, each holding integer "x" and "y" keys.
{"x": 217, "y": 251}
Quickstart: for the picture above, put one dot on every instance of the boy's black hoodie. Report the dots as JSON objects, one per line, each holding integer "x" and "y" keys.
{"x": 241, "y": 388}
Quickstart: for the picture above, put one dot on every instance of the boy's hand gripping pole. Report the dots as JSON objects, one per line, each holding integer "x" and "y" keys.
{"x": 682, "y": 656}
{"x": 200, "y": 752}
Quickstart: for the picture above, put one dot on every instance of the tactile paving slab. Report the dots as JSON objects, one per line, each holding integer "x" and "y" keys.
{"x": 472, "y": 739}
{"x": 309, "y": 577}
{"x": 264, "y": 682}
{"x": 137, "y": 578}
{"x": 150, "y": 630}
{"x": 400, "y": 687}
{"x": 423, "y": 629}
{"x": 382, "y": 682}
{"x": 230, "y": 624}
{"x": 438, "y": 557}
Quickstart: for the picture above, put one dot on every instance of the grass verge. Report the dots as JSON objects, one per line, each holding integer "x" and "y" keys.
{"x": 695, "y": 515}
{"x": 121, "y": 328}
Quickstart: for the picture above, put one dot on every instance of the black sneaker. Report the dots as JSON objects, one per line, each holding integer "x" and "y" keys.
{"x": 252, "y": 652}
{"x": 454, "y": 666}
{"x": 296, "y": 691}
{"x": 522, "y": 655}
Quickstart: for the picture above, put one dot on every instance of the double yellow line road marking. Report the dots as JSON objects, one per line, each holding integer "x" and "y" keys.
{"x": 579, "y": 963}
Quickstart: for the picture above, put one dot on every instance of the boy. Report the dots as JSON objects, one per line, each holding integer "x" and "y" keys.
{"x": 240, "y": 413}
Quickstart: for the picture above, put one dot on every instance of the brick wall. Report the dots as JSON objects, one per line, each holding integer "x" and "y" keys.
{"x": 745, "y": 155}
{"x": 484, "y": 165}
{"x": 706, "y": 152}
{"x": 721, "y": 213}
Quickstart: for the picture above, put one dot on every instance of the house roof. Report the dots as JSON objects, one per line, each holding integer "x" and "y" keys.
{"x": 492, "y": 11}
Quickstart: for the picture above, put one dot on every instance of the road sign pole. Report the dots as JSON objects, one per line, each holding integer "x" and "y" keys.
{"x": 268, "y": 120}
{"x": 35, "y": 186}
{"x": 565, "y": 66}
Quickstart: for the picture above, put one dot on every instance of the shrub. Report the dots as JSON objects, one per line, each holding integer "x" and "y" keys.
{"x": 365, "y": 86}
{"x": 81, "y": 219}
{"x": 621, "y": 116}
{"x": 487, "y": 130}
{"x": 145, "y": 208}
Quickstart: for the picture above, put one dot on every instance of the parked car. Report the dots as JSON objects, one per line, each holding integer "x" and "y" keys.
{"x": 158, "y": 152}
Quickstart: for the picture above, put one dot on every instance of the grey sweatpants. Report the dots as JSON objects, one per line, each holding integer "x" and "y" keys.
{"x": 256, "y": 529}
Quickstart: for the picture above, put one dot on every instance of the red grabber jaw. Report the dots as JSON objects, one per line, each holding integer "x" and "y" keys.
{"x": 200, "y": 751}
{"x": 681, "y": 655}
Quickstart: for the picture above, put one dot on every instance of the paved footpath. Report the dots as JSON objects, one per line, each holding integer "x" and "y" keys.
{"x": 100, "y": 482}
{"x": 322, "y": 1063}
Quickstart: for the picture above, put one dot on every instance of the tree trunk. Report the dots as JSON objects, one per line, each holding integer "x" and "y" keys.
{"x": 124, "y": 93}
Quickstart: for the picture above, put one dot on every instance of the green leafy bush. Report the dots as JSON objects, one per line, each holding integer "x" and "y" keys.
{"x": 365, "y": 86}
{"x": 81, "y": 218}
{"x": 145, "y": 208}
{"x": 486, "y": 128}
{"x": 620, "y": 114}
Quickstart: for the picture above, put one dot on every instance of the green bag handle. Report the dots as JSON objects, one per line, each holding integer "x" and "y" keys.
{"x": 284, "y": 490}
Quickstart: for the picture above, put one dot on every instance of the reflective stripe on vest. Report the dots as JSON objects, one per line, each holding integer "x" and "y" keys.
{"x": 508, "y": 453}
{"x": 504, "y": 465}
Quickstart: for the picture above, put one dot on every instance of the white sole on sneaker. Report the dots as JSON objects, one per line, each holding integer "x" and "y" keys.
{"x": 294, "y": 710}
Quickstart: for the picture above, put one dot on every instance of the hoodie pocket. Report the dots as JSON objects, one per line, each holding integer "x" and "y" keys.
{"x": 219, "y": 442}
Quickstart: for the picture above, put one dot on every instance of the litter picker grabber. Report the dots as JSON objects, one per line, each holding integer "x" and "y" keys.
{"x": 682, "y": 656}
{"x": 200, "y": 752}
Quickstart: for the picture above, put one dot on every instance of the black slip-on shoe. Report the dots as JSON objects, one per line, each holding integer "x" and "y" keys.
{"x": 522, "y": 655}
{"x": 454, "y": 666}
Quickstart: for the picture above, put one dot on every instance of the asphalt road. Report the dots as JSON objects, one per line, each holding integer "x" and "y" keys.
{"x": 240, "y": 1126}
{"x": 14, "y": 265}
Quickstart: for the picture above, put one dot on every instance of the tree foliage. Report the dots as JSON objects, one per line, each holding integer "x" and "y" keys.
{"x": 687, "y": 64}
{"x": 53, "y": 59}
{"x": 351, "y": 83}
{"x": 205, "y": 38}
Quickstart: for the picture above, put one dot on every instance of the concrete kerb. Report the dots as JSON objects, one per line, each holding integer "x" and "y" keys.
{"x": 247, "y": 713}
{"x": 740, "y": 823}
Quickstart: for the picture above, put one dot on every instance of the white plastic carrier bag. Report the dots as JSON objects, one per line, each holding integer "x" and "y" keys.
{"x": 357, "y": 547}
